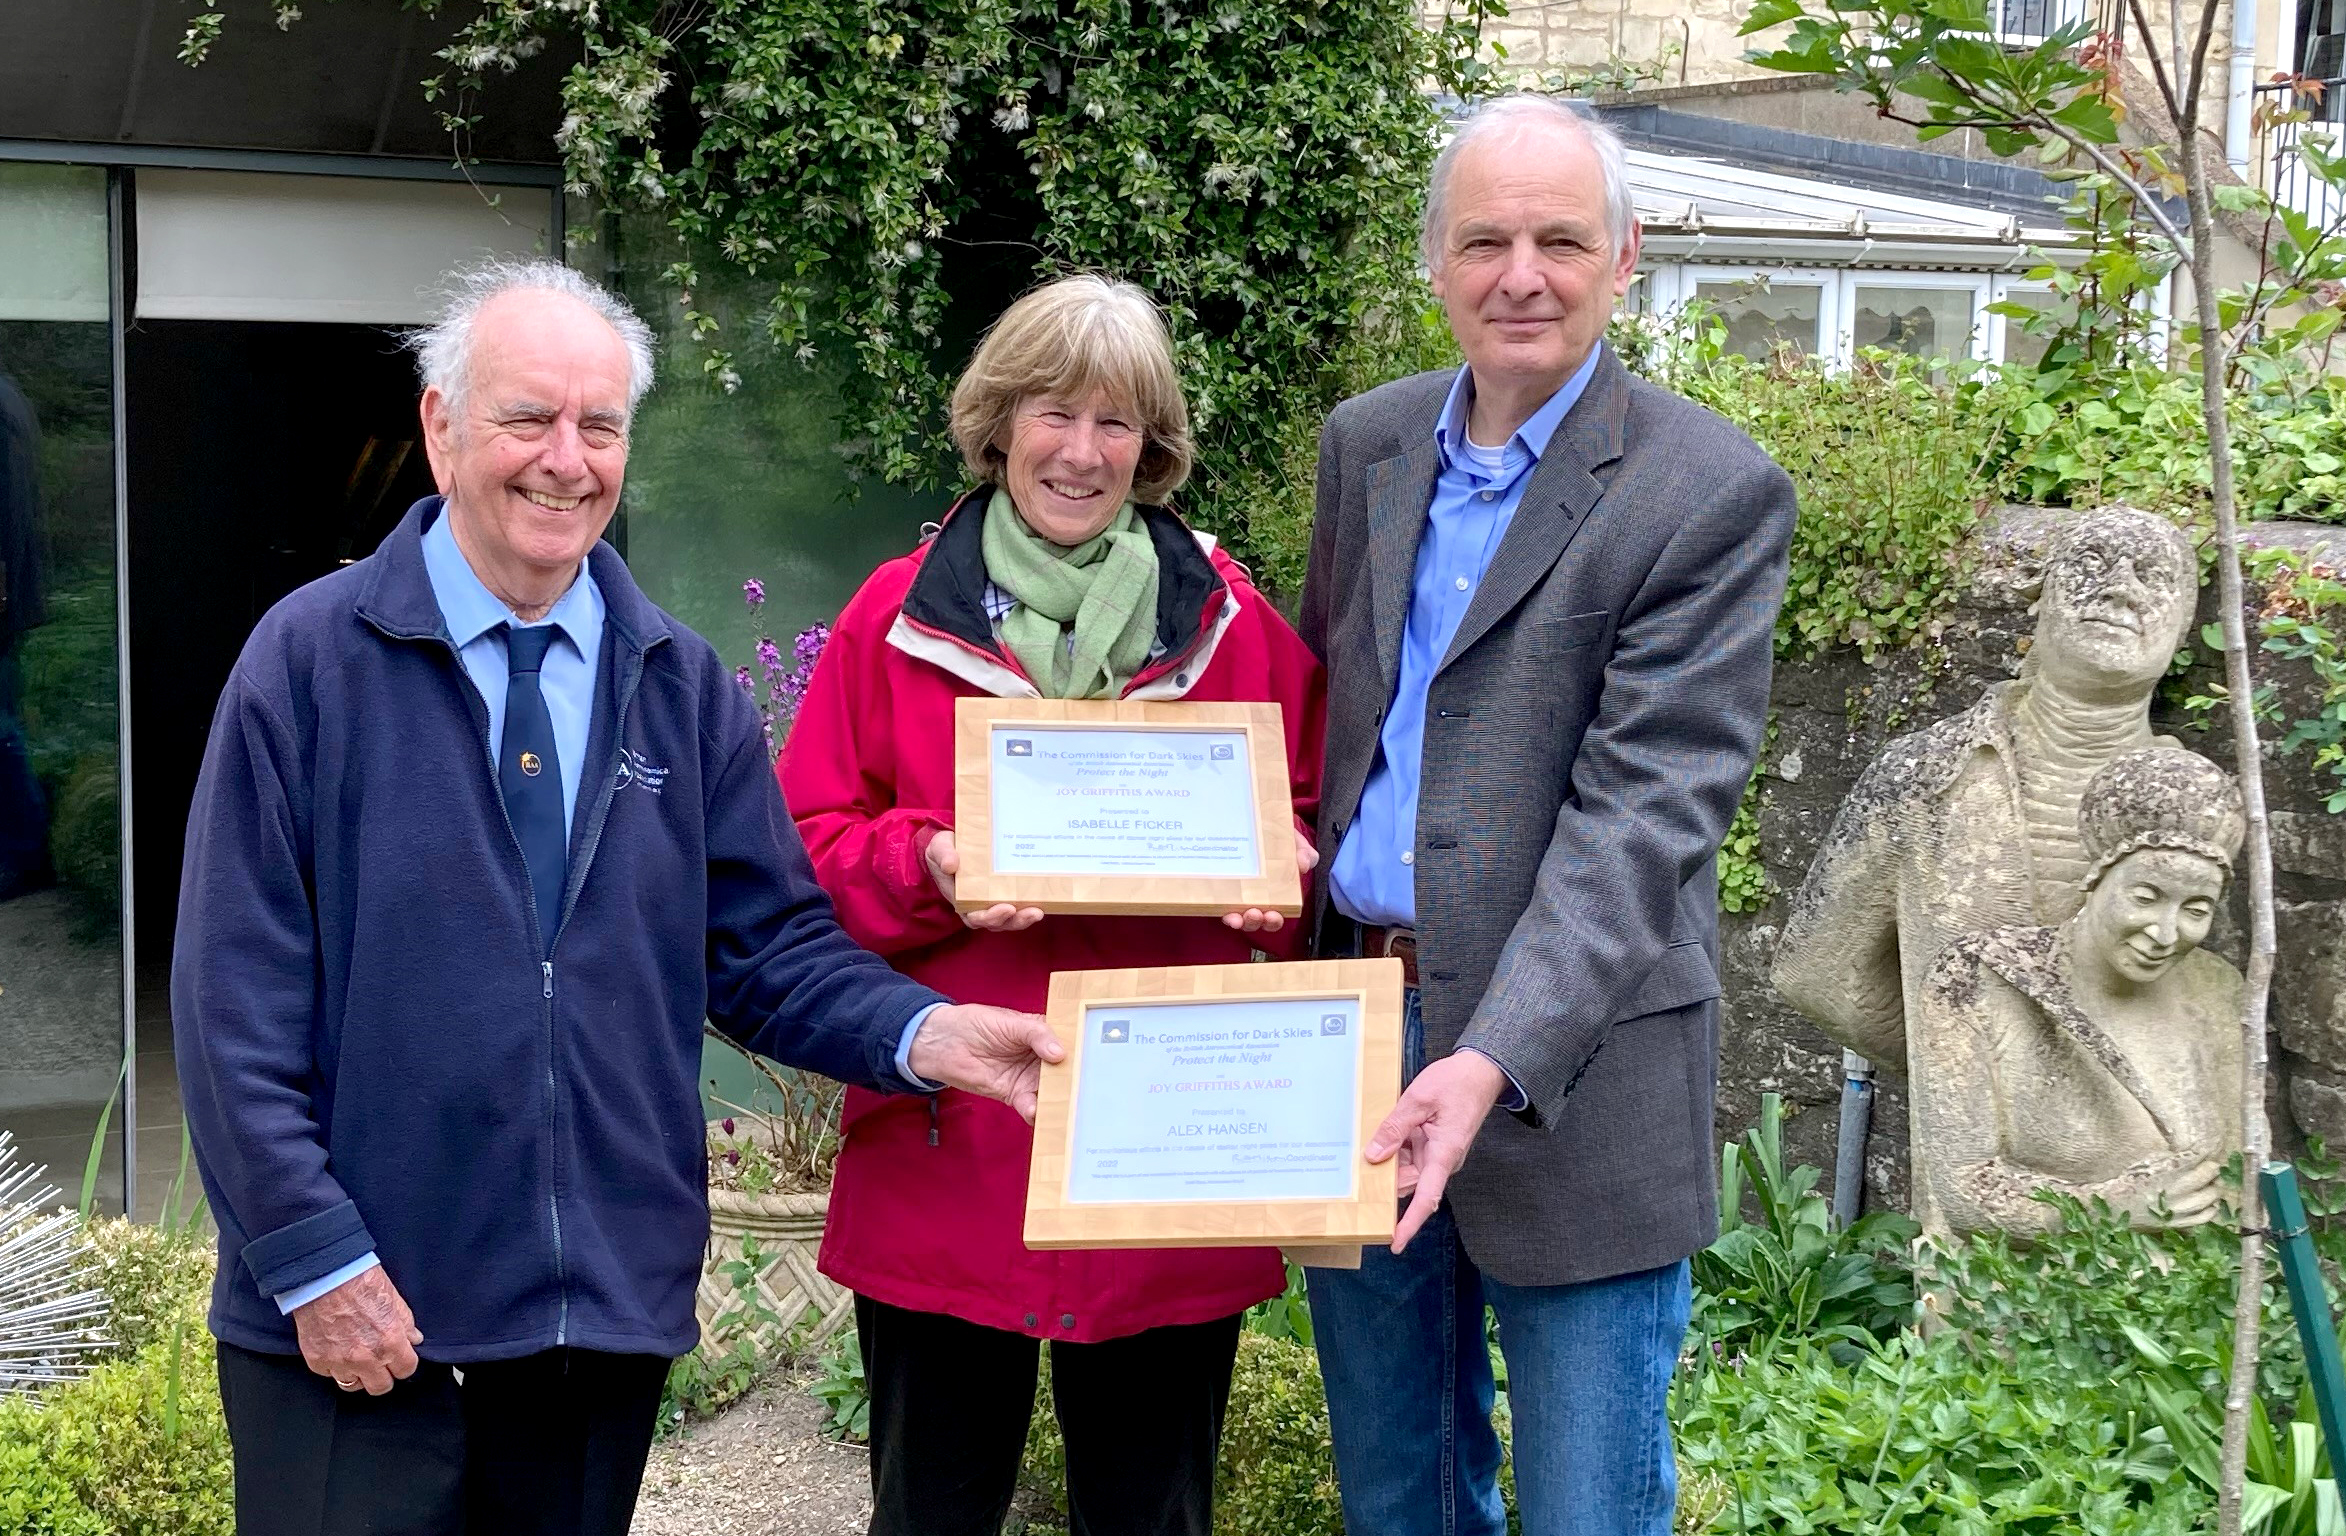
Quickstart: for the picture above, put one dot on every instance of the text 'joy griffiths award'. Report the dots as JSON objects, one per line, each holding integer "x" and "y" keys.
{"x": 1113, "y": 805}
{"x": 1217, "y": 1106}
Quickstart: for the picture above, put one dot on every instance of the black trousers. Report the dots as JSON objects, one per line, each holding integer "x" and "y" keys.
{"x": 548, "y": 1445}
{"x": 1141, "y": 1416}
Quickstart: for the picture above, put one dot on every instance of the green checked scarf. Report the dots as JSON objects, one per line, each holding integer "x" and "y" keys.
{"x": 1102, "y": 594}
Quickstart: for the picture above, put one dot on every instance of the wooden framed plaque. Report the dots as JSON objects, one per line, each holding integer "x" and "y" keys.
{"x": 1218, "y": 1106}
{"x": 1159, "y": 809}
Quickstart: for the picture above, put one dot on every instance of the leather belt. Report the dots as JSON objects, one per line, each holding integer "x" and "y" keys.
{"x": 1400, "y": 943}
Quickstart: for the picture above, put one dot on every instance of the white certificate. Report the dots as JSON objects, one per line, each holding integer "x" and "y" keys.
{"x": 1239, "y": 1100}
{"x": 1075, "y": 801}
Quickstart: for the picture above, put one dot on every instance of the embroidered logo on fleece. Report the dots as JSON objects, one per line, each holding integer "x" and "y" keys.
{"x": 634, "y": 769}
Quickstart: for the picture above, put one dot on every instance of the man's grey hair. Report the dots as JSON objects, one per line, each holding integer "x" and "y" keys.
{"x": 443, "y": 349}
{"x": 1510, "y": 116}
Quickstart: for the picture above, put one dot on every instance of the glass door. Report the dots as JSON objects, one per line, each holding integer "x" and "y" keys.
{"x": 61, "y": 918}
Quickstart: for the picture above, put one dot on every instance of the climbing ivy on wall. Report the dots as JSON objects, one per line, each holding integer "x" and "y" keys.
{"x": 1256, "y": 164}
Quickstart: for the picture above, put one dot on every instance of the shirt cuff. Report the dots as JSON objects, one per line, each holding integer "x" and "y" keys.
{"x": 1515, "y": 1101}
{"x": 904, "y": 1051}
{"x": 303, "y": 1295}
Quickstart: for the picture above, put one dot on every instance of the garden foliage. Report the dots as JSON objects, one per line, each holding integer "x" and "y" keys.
{"x": 139, "y": 1447}
{"x": 1792, "y": 1273}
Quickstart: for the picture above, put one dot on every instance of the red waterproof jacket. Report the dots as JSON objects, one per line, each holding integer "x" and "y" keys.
{"x": 930, "y": 1197}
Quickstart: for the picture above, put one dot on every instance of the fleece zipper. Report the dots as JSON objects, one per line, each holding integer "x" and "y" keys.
{"x": 633, "y": 663}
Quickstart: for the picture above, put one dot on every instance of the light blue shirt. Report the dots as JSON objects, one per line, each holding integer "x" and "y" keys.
{"x": 1476, "y": 492}
{"x": 473, "y": 615}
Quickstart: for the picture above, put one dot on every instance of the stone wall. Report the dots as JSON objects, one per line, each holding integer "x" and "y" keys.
{"x": 1835, "y": 713}
{"x": 1541, "y": 36}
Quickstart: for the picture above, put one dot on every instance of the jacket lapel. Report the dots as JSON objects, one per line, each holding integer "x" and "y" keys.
{"x": 1400, "y": 490}
{"x": 1564, "y": 487}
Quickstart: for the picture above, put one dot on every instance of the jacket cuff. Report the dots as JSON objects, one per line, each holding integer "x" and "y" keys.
{"x": 904, "y": 1051}
{"x": 308, "y": 1249}
{"x": 891, "y": 1054}
{"x": 1514, "y": 1099}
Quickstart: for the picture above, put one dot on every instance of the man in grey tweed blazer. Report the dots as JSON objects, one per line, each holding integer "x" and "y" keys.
{"x": 1546, "y": 595}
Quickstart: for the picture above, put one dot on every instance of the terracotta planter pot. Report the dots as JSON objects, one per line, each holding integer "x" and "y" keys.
{"x": 789, "y": 1305}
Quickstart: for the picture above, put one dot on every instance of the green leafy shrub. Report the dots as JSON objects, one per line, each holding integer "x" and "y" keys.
{"x": 1936, "y": 1437}
{"x": 1891, "y": 464}
{"x": 2140, "y": 437}
{"x": 2303, "y": 613}
{"x": 154, "y": 1280}
{"x": 841, "y": 1387}
{"x": 2071, "y": 1385}
{"x": 138, "y": 1448}
{"x": 1278, "y": 1471}
{"x": 1793, "y": 1273}
{"x": 1277, "y": 1475}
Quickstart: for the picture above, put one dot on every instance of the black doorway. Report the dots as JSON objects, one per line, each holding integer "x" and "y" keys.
{"x": 261, "y": 455}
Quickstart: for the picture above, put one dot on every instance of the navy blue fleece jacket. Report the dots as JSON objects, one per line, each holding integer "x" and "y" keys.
{"x": 373, "y": 1049}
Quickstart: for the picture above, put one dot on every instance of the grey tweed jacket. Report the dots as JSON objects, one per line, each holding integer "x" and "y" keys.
{"x": 1588, "y": 735}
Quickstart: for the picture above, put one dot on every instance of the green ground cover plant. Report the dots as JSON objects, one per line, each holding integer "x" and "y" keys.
{"x": 1787, "y": 1270}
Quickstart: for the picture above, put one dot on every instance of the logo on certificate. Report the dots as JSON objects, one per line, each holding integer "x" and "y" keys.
{"x": 1018, "y": 746}
{"x": 1115, "y": 1031}
{"x": 1222, "y": 752}
{"x": 1331, "y": 1023}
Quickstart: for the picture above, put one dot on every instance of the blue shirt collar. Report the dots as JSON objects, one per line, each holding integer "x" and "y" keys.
{"x": 1531, "y": 439}
{"x": 471, "y": 610}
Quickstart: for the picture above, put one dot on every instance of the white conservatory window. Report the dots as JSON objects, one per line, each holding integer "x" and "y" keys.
{"x": 1764, "y": 310}
{"x": 1901, "y": 312}
{"x": 1835, "y": 313}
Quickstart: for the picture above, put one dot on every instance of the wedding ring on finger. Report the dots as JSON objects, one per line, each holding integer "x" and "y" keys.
{"x": 347, "y": 1383}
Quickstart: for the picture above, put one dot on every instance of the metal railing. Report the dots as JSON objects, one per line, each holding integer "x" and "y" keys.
{"x": 2290, "y": 180}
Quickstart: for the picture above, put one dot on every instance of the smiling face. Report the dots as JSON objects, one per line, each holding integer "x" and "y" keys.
{"x": 2149, "y": 910}
{"x": 2116, "y": 602}
{"x": 1068, "y": 464}
{"x": 1528, "y": 273}
{"x": 532, "y": 462}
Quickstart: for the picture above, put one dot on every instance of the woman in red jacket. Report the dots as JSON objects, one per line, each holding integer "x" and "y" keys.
{"x": 1061, "y": 576}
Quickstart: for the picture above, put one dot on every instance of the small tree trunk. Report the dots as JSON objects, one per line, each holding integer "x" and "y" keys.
{"x": 2255, "y": 1135}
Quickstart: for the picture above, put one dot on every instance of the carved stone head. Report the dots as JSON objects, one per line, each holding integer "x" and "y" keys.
{"x": 2161, "y": 826}
{"x": 2119, "y": 590}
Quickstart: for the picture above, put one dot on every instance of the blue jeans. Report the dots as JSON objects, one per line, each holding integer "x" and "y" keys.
{"x": 1410, "y": 1390}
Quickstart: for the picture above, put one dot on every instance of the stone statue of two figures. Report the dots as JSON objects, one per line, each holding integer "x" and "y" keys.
{"x": 2009, "y": 907}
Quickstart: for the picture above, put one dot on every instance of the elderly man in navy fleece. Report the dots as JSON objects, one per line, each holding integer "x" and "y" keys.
{"x": 482, "y": 837}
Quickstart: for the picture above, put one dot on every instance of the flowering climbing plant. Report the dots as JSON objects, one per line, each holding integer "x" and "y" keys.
{"x": 834, "y": 177}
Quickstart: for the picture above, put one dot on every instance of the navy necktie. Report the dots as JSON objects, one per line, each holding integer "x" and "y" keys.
{"x": 530, "y": 774}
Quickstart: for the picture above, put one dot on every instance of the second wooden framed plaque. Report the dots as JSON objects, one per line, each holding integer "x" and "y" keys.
{"x": 1158, "y": 809}
{"x": 1218, "y": 1106}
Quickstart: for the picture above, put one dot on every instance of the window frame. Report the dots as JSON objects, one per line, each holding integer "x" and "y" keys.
{"x": 1824, "y": 279}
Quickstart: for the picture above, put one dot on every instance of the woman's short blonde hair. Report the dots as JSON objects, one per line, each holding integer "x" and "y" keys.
{"x": 1069, "y": 339}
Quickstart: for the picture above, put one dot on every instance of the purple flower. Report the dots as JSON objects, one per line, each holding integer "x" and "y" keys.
{"x": 811, "y": 641}
{"x": 732, "y": 1158}
{"x": 748, "y": 684}
{"x": 754, "y": 591}
{"x": 769, "y": 654}
{"x": 728, "y": 1122}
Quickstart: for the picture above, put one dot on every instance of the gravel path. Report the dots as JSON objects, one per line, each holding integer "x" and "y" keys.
{"x": 761, "y": 1468}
